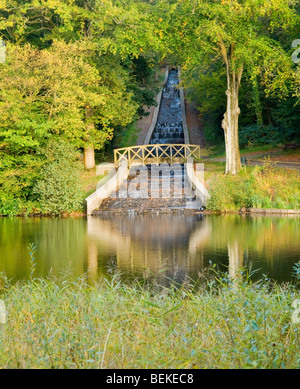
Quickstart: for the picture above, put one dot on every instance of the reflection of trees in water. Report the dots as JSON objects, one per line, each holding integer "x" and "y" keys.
{"x": 57, "y": 241}
{"x": 163, "y": 244}
{"x": 174, "y": 246}
{"x": 259, "y": 233}
{"x": 273, "y": 242}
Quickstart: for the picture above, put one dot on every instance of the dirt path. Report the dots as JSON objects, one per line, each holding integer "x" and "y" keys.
{"x": 195, "y": 125}
{"x": 144, "y": 123}
{"x": 278, "y": 156}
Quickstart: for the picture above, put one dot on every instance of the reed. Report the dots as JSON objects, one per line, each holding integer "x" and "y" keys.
{"x": 263, "y": 186}
{"x": 67, "y": 323}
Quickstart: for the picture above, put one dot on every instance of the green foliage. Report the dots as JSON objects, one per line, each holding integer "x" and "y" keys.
{"x": 248, "y": 39}
{"x": 58, "y": 189}
{"x": 80, "y": 70}
{"x": 205, "y": 88}
{"x": 142, "y": 82}
{"x": 296, "y": 272}
{"x": 125, "y": 136}
{"x": 257, "y": 187}
{"x": 32, "y": 251}
{"x": 263, "y": 120}
{"x": 57, "y": 88}
{"x": 66, "y": 324}
{"x": 260, "y": 135}
{"x": 18, "y": 174}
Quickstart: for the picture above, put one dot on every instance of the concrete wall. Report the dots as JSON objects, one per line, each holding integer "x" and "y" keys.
{"x": 200, "y": 190}
{"x": 109, "y": 184}
{"x": 156, "y": 111}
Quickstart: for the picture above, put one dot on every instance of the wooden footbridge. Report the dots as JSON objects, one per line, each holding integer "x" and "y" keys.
{"x": 158, "y": 153}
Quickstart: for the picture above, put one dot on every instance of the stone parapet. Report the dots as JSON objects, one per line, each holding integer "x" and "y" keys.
{"x": 109, "y": 184}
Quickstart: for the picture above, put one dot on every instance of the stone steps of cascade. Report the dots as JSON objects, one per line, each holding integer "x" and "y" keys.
{"x": 164, "y": 193}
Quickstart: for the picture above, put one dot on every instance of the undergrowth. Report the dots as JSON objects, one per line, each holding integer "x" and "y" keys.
{"x": 254, "y": 187}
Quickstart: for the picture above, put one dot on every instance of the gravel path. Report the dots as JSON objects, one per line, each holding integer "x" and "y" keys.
{"x": 258, "y": 162}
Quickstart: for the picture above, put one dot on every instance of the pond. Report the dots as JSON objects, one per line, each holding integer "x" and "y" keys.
{"x": 165, "y": 246}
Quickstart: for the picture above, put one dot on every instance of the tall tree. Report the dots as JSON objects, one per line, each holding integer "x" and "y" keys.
{"x": 111, "y": 30}
{"x": 58, "y": 92}
{"x": 237, "y": 32}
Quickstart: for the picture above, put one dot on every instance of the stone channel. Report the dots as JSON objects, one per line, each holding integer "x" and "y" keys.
{"x": 152, "y": 189}
{"x": 169, "y": 128}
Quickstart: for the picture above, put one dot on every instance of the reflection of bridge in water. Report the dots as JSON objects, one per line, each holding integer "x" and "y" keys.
{"x": 141, "y": 244}
{"x": 168, "y": 248}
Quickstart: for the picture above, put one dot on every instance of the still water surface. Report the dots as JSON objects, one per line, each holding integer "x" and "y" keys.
{"x": 176, "y": 246}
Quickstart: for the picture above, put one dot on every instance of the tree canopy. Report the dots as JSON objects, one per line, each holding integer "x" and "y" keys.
{"x": 81, "y": 71}
{"x": 240, "y": 34}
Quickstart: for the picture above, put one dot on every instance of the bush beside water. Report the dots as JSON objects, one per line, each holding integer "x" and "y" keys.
{"x": 59, "y": 188}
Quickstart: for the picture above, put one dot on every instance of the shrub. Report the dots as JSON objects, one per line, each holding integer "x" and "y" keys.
{"x": 256, "y": 135}
{"x": 59, "y": 189}
{"x": 221, "y": 195}
{"x": 18, "y": 175}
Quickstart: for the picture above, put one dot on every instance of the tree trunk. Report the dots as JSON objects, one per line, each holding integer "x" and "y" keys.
{"x": 89, "y": 152}
{"x": 230, "y": 125}
{"x": 89, "y": 157}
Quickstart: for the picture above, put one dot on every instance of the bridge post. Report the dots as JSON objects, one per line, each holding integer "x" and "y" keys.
{"x": 129, "y": 157}
{"x": 143, "y": 155}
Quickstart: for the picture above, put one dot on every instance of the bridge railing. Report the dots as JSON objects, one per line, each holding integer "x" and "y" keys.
{"x": 147, "y": 154}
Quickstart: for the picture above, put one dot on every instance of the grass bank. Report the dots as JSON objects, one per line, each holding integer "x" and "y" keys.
{"x": 254, "y": 187}
{"x": 70, "y": 324}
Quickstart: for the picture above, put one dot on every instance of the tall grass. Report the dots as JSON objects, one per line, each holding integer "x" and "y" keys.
{"x": 70, "y": 324}
{"x": 258, "y": 187}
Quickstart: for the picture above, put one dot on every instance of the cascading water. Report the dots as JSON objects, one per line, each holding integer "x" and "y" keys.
{"x": 168, "y": 128}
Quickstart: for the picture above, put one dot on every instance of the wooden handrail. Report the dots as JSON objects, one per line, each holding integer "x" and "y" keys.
{"x": 157, "y": 153}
